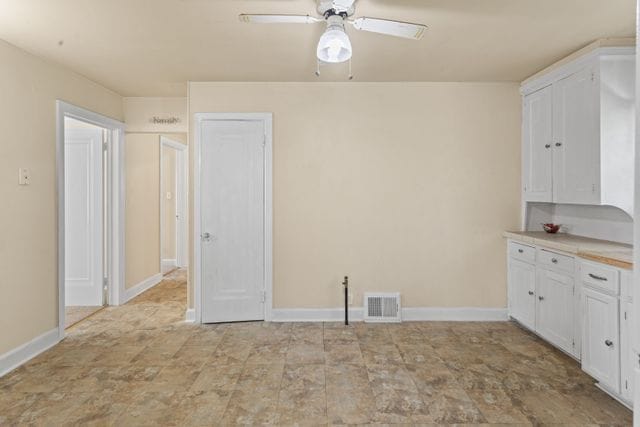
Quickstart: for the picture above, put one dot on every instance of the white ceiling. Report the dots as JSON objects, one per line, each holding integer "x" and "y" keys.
{"x": 152, "y": 47}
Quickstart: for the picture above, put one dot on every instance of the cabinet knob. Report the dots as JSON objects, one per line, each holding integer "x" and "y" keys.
{"x": 558, "y": 144}
{"x": 547, "y": 145}
{"x": 609, "y": 343}
{"x": 520, "y": 251}
{"x": 540, "y": 298}
{"x": 554, "y": 260}
{"x": 530, "y": 292}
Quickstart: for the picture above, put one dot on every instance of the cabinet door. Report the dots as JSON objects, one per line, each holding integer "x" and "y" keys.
{"x": 576, "y": 139}
{"x": 537, "y": 143}
{"x": 554, "y": 308}
{"x": 626, "y": 354}
{"x": 522, "y": 285}
{"x": 600, "y": 338}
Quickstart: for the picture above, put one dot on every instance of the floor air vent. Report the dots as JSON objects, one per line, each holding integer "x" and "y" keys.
{"x": 382, "y": 307}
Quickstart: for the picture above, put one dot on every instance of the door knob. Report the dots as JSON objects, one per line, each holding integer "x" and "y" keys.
{"x": 206, "y": 237}
{"x": 540, "y": 298}
{"x": 558, "y": 144}
{"x": 530, "y": 292}
{"x": 547, "y": 145}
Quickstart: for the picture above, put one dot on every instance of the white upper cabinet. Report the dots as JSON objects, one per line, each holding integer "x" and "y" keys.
{"x": 578, "y": 131}
{"x": 538, "y": 137}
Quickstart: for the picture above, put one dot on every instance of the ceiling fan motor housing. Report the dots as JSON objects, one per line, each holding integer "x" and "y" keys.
{"x": 343, "y": 8}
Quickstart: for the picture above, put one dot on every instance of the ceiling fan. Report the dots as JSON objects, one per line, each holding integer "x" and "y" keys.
{"x": 334, "y": 45}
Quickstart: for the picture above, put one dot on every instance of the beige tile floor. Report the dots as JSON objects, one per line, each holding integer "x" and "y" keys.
{"x": 140, "y": 364}
{"x": 75, "y": 313}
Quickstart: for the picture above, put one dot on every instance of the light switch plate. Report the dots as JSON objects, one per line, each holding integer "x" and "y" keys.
{"x": 23, "y": 176}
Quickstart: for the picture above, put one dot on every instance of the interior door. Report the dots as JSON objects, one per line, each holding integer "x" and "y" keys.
{"x": 538, "y": 142}
{"x": 576, "y": 157}
{"x": 232, "y": 220}
{"x": 600, "y": 340}
{"x": 83, "y": 158}
{"x": 554, "y": 308}
{"x": 522, "y": 285}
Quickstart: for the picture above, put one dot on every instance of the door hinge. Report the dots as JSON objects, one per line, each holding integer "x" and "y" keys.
{"x": 626, "y": 384}
{"x": 593, "y": 76}
{"x": 263, "y": 296}
{"x": 573, "y": 343}
{"x": 625, "y": 315}
{"x": 105, "y": 283}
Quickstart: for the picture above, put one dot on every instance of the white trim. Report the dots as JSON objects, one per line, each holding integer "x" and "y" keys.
{"x": 27, "y": 351}
{"x": 451, "y": 314}
{"x": 139, "y": 288}
{"x": 268, "y": 214}
{"x": 115, "y": 268}
{"x": 190, "y": 315}
{"x": 572, "y": 67}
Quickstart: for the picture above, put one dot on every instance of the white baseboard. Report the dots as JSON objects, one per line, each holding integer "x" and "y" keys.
{"x": 20, "y": 355}
{"x": 146, "y": 284}
{"x": 314, "y": 314}
{"x": 190, "y": 315}
{"x": 462, "y": 314}
{"x": 455, "y": 314}
{"x": 168, "y": 265}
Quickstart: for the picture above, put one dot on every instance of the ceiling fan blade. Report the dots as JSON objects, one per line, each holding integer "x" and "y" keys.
{"x": 278, "y": 19}
{"x": 390, "y": 28}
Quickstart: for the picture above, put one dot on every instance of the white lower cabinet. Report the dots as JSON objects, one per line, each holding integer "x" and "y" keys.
{"x": 541, "y": 294}
{"x": 554, "y": 308}
{"x": 627, "y": 356}
{"x": 522, "y": 299}
{"x": 601, "y": 338}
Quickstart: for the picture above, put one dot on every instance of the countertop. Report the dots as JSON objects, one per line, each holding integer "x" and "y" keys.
{"x": 604, "y": 251}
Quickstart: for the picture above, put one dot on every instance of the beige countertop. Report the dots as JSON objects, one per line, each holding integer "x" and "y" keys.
{"x": 604, "y": 251}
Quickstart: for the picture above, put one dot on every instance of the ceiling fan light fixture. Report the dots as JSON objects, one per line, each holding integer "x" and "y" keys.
{"x": 334, "y": 45}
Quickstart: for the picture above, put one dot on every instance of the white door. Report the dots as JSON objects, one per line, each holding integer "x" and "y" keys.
{"x": 522, "y": 285}
{"x": 576, "y": 153}
{"x": 554, "y": 308}
{"x": 538, "y": 142}
{"x": 83, "y": 193}
{"x": 600, "y": 339}
{"x": 232, "y": 220}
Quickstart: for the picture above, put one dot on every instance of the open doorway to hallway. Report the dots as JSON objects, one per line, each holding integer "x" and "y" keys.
{"x": 173, "y": 200}
{"x": 90, "y": 214}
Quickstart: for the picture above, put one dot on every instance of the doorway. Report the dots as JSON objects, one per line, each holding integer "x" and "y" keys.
{"x": 173, "y": 205}
{"x": 90, "y": 215}
{"x": 233, "y": 217}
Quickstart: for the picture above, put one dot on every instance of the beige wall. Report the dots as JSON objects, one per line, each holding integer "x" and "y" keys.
{"x": 402, "y": 186}
{"x": 168, "y": 203}
{"x": 29, "y": 87}
{"x": 142, "y": 245}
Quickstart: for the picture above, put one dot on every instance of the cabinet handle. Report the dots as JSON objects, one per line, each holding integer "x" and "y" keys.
{"x": 554, "y": 260}
{"x": 530, "y": 292}
{"x": 558, "y": 144}
{"x": 520, "y": 251}
{"x": 547, "y": 145}
{"x": 540, "y": 298}
{"x": 593, "y": 276}
{"x": 609, "y": 343}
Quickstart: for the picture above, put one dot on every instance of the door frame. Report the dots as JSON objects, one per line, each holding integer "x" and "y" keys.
{"x": 267, "y": 119}
{"x": 181, "y": 195}
{"x": 115, "y": 189}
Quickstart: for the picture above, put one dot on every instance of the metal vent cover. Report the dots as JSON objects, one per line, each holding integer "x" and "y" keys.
{"x": 382, "y": 307}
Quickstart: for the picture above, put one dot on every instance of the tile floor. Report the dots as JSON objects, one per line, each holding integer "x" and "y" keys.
{"x": 75, "y": 313}
{"x": 140, "y": 364}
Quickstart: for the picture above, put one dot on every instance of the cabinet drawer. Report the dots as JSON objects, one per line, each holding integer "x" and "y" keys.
{"x": 522, "y": 252}
{"x": 552, "y": 259}
{"x": 601, "y": 277}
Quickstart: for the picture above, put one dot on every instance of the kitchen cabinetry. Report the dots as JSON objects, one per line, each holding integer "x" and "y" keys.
{"x": 600, "y": 338}
{"x": 554, "y": 312}
{"x": 578, "y": 123}
{"x": 542, "y": 294}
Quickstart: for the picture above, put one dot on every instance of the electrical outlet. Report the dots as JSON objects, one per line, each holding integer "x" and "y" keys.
{"x": 23, "y": 176}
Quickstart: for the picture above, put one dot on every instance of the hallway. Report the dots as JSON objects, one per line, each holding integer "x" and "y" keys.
{"x": 141, "y": 364}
